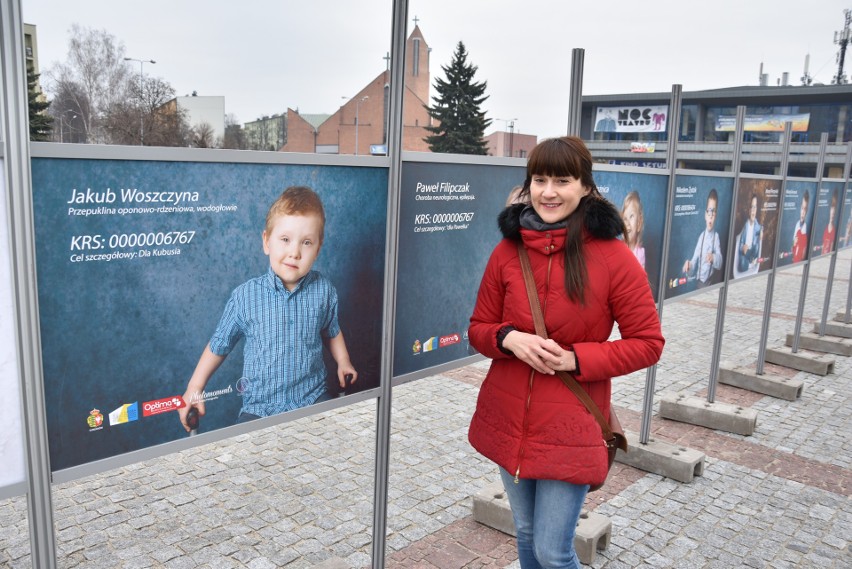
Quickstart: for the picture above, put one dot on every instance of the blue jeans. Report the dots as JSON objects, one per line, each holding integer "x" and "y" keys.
{"x": 546, "y": 513}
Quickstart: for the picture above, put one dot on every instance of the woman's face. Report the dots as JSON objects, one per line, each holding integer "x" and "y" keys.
{"x": 554, "y": 198}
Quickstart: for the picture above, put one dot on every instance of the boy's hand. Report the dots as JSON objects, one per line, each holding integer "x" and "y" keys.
{"x": 343, "y": 371}
{"x": 190, "y": 395}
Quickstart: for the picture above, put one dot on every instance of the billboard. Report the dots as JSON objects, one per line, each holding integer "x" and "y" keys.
{"x": 797, "y": 215}
{"x": 12, "y": 470}
{"x": 764, "y": 123}
{"x": 644, "y": 118}
{"x": 136, "y": 263}
{"x": 700, "y": 221}
{"x": 641, "y": 199}
{"x": 448, "y": 228}
{"x": 826, "y": 218}
{"x": 845, "y": 239}
{"x": 755, "y": 225}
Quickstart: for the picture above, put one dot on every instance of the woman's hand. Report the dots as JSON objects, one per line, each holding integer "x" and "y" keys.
{"x": 544, "y": 356}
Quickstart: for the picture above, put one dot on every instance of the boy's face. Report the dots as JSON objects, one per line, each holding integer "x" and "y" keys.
{"x": 293, "y": 245}
{"x": 710, "y": 214}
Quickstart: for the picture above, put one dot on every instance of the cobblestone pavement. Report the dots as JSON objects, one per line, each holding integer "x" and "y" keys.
{"x": 300, "y": 494}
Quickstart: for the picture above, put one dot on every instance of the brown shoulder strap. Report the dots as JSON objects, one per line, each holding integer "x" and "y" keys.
{"x": 541, "y": 330}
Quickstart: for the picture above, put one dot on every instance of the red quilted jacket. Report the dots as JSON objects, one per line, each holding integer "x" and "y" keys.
{"x": 530, "y": 423}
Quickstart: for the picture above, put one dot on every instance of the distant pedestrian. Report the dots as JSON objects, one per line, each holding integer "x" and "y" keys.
{"x": 548, "y": 446}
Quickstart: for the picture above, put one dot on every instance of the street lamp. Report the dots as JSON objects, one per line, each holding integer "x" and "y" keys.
{"x": 61, "y": 120}
{"x": 142, "y": 62}
{"x": 357, "y": 122}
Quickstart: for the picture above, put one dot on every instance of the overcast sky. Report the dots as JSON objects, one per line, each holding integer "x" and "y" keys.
{"x": 266, "y": 55}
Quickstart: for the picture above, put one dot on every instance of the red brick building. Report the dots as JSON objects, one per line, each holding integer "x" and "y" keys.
{"x": 337, "y": 134}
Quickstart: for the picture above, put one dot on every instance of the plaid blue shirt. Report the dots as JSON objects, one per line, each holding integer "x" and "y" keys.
{"x": 283, "y": 367}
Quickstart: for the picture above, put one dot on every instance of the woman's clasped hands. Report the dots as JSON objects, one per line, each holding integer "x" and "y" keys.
{"x": 543, "y": 355}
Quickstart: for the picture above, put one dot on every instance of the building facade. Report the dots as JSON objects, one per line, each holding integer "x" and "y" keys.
{"x": 633, "y": 128}
{"x": 266, "y": 133}
{"x": 511, "y": 144}
{"x": 360, "y": 126}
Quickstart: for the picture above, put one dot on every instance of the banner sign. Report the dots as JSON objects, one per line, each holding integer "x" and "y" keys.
{"x": 755, "y": 224}
{"x": 641, "y": 199}
{"x": 136, "y": 262}
{"x": 764, "y": 123}
{"x": 643, "y": 147}
{"x": 796, "y": 219}
{"x": 448, "y": 228}
{"x": 12, "y": 470}
{"x": 699, "y": 239}
{"x": 846, "y": 220}
{"x": 631, "y": 119}
{"x": 826, "y": 218}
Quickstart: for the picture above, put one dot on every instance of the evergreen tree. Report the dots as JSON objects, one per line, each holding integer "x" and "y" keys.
{"x": 41, "y": 124}
{"x": 461, "y": 124}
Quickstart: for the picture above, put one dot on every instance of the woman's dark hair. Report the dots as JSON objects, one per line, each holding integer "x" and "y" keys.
{"x": 568, "y": 156}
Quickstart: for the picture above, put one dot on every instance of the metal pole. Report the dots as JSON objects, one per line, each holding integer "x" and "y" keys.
{"x": 671, "y": 164}
{"x": 830, "y": 280}
{"x": 575, "y": 100}
{"x": 14, "y": 129}
{"x": 141, "y": 96}
{"x": 770, "y": 282}
{"x": 803, "y": 291}
{"x": 723, "y": 291}
{"x": 383, "y": 404}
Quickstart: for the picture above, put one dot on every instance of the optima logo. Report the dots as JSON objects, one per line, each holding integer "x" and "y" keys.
{"x": 444, "y": 341}
{"x": 162, "y": 406}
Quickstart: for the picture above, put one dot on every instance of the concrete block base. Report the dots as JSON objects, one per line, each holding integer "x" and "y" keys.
{"x": 766, "y": 383}
{"x": 840, "y": 317}
{"x": 719, "y": 416}
{"x": 839, "y": 329}
{"x": 818, "y": 364}
{"x": 491, "y": 508}
{"x": 672, "y": 461}
{"x": 826, "y": 344}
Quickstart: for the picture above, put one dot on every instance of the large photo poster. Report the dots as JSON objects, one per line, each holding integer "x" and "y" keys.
{"x": 641, "y": 199}
{"x": 755, "y": 226}
{"x": 826, "y": 218}
{"x": 700, "y": 221}
{"x": 845, "y": 239}
{"x": 796, "y": 221}
{"x": 448, "y": 228}
{"x": 144, "y": 267}
{"x": 12, "y": 469}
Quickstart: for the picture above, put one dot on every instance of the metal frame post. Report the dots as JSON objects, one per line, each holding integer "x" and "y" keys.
{"x": 575, "y": 99}
{"x": 830, "y": 280}
{"x": 671, "y": 165}
{"x": 723, "y": 291}
{"x": 15, "y": 128}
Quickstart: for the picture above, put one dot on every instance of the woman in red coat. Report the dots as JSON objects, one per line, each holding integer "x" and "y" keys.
{"x": 548, "y": 446}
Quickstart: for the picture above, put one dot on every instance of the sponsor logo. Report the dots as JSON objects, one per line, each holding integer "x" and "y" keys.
{"x": 125, "y": 414}
{"x": 416, "y": 347}
{"x": 445, "y": 341}
{"x": 209, "y": 395}
{"x": 95, "y": 420}
{"x": 430, "y": 344}
{"x": 162, "y": 406}
{"x": 242, "y": 385}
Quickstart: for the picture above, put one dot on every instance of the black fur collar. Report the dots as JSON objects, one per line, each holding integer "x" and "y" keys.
{"x": 602, "y": 220}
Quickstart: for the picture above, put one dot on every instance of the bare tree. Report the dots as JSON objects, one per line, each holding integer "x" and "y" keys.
{"x": 235, "y": 136}
{"x": 94, "y": 78}
{"x": 203, "y": 136}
